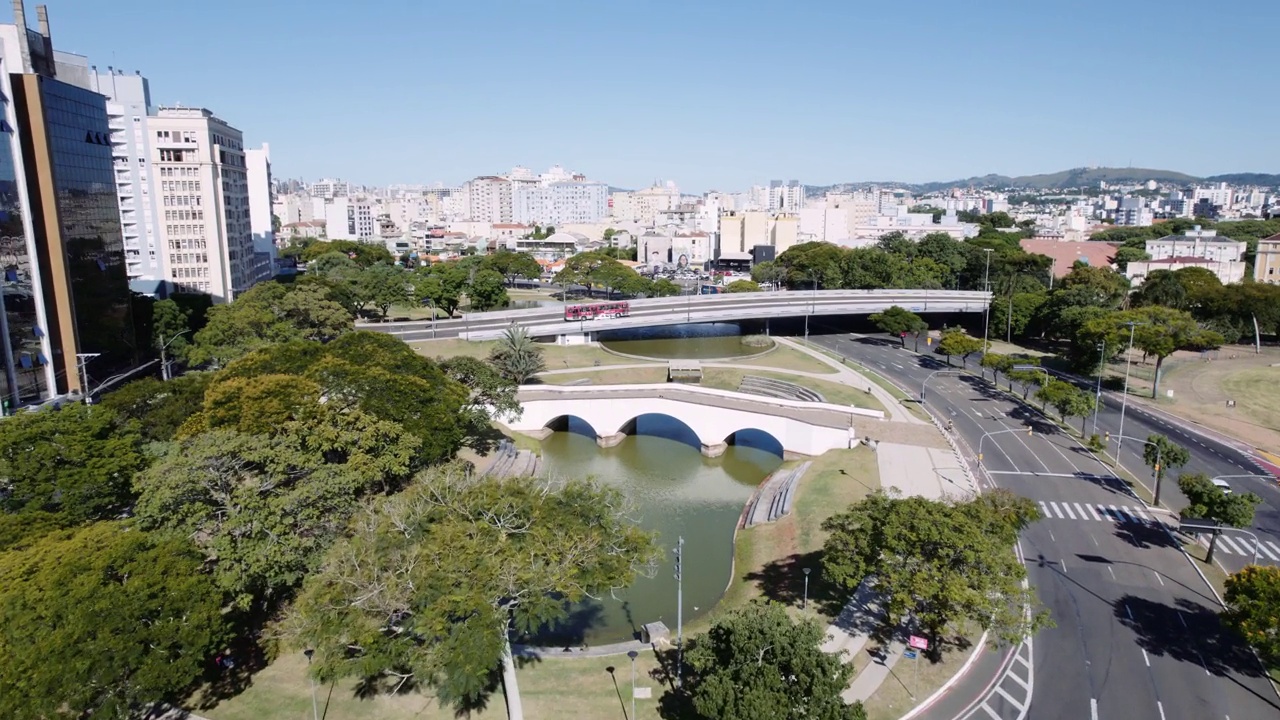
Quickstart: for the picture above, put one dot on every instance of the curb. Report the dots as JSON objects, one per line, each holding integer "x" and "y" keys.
{"x": 946, "y": 686}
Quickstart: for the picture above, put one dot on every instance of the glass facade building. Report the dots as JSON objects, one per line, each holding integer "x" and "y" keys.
{"x": 28, "y": 369}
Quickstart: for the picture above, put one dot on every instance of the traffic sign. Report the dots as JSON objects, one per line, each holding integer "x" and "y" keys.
{"x": 918, "y": 642}
{"x": 909, "y": 654}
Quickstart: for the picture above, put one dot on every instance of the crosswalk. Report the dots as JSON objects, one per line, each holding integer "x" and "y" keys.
{"x": 1094, "y": 512}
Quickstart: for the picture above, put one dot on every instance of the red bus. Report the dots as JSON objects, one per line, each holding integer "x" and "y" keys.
{"x": 597, "y": 310}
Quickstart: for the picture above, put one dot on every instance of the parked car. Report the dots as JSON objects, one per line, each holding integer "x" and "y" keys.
{"x": 1222, "y": 485}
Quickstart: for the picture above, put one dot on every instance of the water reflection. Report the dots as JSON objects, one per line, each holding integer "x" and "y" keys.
{"x": 677, "y": 492}
{"x": 714, "y": 340}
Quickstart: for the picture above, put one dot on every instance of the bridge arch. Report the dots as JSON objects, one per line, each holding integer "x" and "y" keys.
{"x": 572, "y": 424}
{"x": 662, "y": 425}
{"x": 755, "y": 438}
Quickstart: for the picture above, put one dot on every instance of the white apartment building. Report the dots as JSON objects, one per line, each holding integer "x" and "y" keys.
{"x": 199, "y": 180}
{"x": 1220, "y": 194}
{"x": 330, "y": 188}
{"x": 261, "y": 201}
{"x": 128, "y": 105}
{"x": 346, "y": 218}
{"x": 785, "y": 197}
{"x": 1196, "y": 243}
{"x": 489, "y": 199}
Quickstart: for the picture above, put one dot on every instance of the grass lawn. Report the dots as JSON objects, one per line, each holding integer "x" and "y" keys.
{"x": 832, "y": 392}
{"x": 621, "y": 376}
{"x": 790, "y": 359}
{"x": 558, "y": 357}
{"x": 768, "y": 560}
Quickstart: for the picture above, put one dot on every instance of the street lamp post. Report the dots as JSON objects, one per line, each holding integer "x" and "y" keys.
{"x": 986, "y": 286}
{"x": 83, "y": 359}
{"x": 813, "y": 307}
{"x": 985, "y": 435}
{"x": 315, "y": 709}
{"x": 1124, "y": 400}
{"x": 930, "y": 377}
{"x": 164, "y": 362}
{"x": 1155, "y": 500}
{"x": 805, "y": 606}
{"x": 633, "y": 654}
{"x": 1097, "y": 398}
{"x": 679, "y": 552}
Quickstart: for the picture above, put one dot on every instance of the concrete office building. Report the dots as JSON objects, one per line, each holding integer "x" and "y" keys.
{"x": 64, "y": 295}
{"x": 198, "y": 168}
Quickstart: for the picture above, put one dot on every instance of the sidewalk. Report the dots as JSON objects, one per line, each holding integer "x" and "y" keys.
{"x": 850, "y": 376}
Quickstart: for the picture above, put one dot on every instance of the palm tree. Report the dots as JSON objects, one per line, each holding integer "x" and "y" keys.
{"x": 517, "y": 357}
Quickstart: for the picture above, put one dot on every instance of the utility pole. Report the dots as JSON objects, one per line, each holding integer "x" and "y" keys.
{"x": 82, "y": 359}
{"x": 679, "y": 551}
{"x": 1124, "y": 400}
{"x": 986, "y": 286}
{"x": 1097, "y": 399}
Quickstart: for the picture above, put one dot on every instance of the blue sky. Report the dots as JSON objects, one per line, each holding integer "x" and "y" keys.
{"x": 713, "y": 95}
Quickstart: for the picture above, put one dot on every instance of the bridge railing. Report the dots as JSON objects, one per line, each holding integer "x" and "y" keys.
{"x": 684, "y": 393}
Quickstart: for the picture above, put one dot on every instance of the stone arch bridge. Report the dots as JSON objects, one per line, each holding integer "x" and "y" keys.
{"x": 715, "y": 416}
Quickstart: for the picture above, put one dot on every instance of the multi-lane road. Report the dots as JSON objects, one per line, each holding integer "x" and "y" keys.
{"x": 648, "y": 312}
{"x": 1136, "y": 635}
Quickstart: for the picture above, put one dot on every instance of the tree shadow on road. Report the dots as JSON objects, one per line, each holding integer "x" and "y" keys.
{"x": 1144, "y": 535}
{"x": 1189, "y": 632}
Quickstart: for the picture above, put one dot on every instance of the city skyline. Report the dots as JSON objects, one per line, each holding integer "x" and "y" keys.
{"x": 693, "y": 94}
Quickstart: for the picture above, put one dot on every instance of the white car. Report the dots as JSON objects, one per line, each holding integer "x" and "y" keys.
{"x": 1221, "y": 485}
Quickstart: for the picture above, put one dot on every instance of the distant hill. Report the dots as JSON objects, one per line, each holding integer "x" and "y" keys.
{"x": 1074, "y": 178}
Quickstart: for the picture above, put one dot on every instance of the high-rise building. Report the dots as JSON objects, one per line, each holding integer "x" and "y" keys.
{"x": 65, "y": 310}
{"x": 199, "y": 176}
{"x": 128, "y": 105}
{"x": 261, "y": 219}
{"x": 785, "y": 197}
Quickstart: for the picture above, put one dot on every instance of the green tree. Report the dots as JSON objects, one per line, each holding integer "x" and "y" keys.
{"x": 487, "y": 291}
{"x": 899, "y": 321}
{"x": 813, "y": 262}
{"x": 997, "y": 363}
{"x": 265, "y": 508}
{"x": 363, "y": 254}
{"x": 1208, "y": 502}
{"x": 170, "y": 324}
{"x": 156, "y": 409}
{"x": 742, "y": 286}
{"x": 937, "y": 563}
{"x": 1165, "y": 331}
{"x": 1253, "y": 609}
{"x": 512, "y": 265}
{"x": 663, "y": 287}
{"x": 383, "y": 285}
{"x": 758, "y": 662}
{"x": 517, "y": 357}
{"x": 769, "y": 272}
{"x": 431, "y": 580}
{"x": 1162, "y": 455}
{"x": 75, "y": 463}
{"x": 1162, "y": 287}
{"x": 582, "y": 269}
{"x": 1027, "y": 378}
{"x": 958, "y": 342}
{"x": 103, "y": 622}
{"x": 1125, "y": 255}
{"x": 493, "y": 396}
{"x": 255, "y": 405}
{"x": 1017, "y": 313}
{"x": 266, "y": 314}
{"x": 1069, "y": 400}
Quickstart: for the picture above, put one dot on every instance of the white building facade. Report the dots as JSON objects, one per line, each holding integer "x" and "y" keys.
{"x": 261, "y": 201}
{"x": 201, "y": 186}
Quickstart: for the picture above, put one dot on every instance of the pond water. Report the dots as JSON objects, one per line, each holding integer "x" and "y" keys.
{"x": 677, "y": 492}
{"x": 680, "y": 342}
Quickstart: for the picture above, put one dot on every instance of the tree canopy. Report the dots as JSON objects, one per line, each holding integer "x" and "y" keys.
{"x": 267, "y": 314}
{"x": 425, "y": 589}
{"x": 1253, "y": 609}
{"x": 517, "y": 357}
{"x": 956, "y": 341}
{"x": 758, "y": 662}
{"x": 936, "y": 562}
{"x": 899, "y": 321}
{"x": 103, "y": 621}
{"x": 1208, "y": 502}
{"x": 75, "y": 463}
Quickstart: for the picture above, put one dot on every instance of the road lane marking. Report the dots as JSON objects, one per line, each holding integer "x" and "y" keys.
{"x": 1093, "y": 708}
{"x": 1159, "y": 578}
{"x": 1182, "y": 619}
{"x": 990, "y": 712}
{"x": 1224, "y": 540}
{"x": 1159, "y": 706}
{"x": 1113, "y": 577}
{"x": 1080, "y": 509}
{"x": 1145, "y": 658}
{"x": 1020, "y": 681}
{"x": 1056, "y": 511}
{"x": 1067, "y": 506}
{"x": 1202, "y": 663}
{"x": 1095, "y": 514}
{"x": 1005, "y": 694}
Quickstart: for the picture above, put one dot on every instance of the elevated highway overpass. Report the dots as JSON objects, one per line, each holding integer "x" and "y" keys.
{"x": 549, "y": 321}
